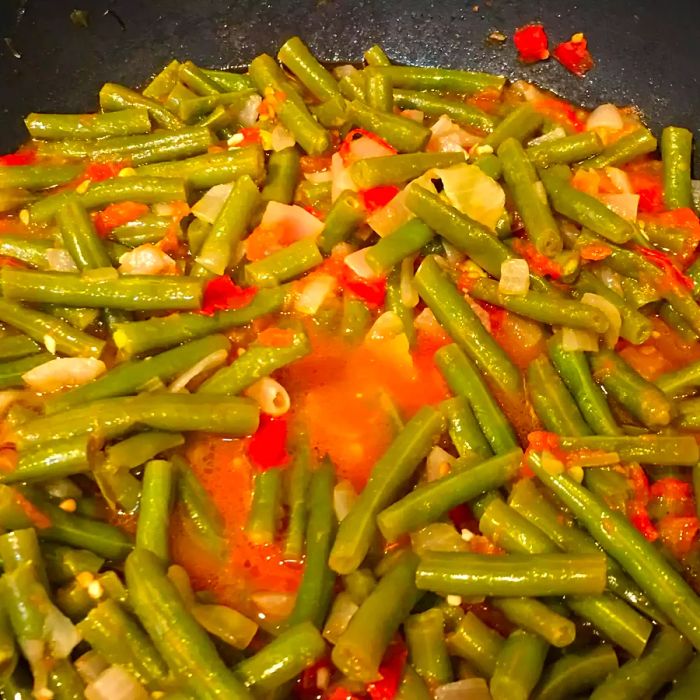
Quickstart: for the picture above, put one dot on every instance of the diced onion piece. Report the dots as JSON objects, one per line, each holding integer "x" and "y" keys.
{"x": 295, "y": 220}
{"x": 394, "y": 214}
{"x": 480, "y": 312}
{"x": 270, "y": 395}
{"x": 426, "y": 323}
{"x": 319, "y": 176}
{"x": 61, "y": 634}
{"x": 466, "y": 689}
{"x": 214, "y": 359}
{"x": 357, "y": 262}
{"x": 473, "y": 193}
{"x": 250, "y": 111}
{"x": 449, "y": 136}
{"x": 415, "y": 115}
{"x": 388, "y": 325}
{"x": 454, "y": 256}
{"x": 612, "y": 313}
{"x": 515, "y": 277}
{"x": 90, "y": 665}
{"x": 115, "y": 683}
{"x": 437, "y": 537}
{"x": 163, "y": 209}
{"x": 63, "y": 372}
{"x": 553, "y": 135}
{"x": 453, "y": 600}
{"x": 365, "y": 147}
{"x": 344, "y": 70}
{"x": 344, "y": 497}
{"x": 344, "y": 608}
{"x": 340, "y": 177}
{"x": 574, "y": 339}
{"x": 605, "y": 116}
{"x": 407, "y": 285}
{"x": 624, "y": 205}
{"x": 620, "y": 179}
{"x": 609, "y": 278}
{"x": 147, "y": 259}
{"x": 438, "y": 463}
{"x": 526, "y": 90}
{"x": 273, "y": 603}
{"x": 207, "y": 208}
{"x": 315, "y": 290}
{"x": 281, "y": 138}
{"x": 60, "y": 260}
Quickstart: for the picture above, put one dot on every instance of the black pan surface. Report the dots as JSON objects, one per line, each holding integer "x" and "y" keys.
{"x": 647, "y": 52}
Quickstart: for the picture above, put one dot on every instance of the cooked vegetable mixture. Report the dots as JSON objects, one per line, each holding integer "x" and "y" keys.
{"x": 371, "y": 382}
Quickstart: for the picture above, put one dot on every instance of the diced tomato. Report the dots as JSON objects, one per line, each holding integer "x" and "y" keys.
{"x": 117, "y": 214}
{"x": 574, "y": 55}
{"x": 532, "y": 43}
{"x": 38, "y": 518}
{"x": 378, "y": 197}
{"x": 251, "y": 135}
{"x": 307, "y": 686}
{"x": 275, "y": 337}
{"x": 679, "y": 533}
{"x": 497, "y": 316}
{"x": 6, "y": 261}
{"x": 487, "y": 100}
{"x": 463, "y": 518}
{"x": 536, "y": 261}
{"x": 595, "y": 251}
{"x": 267, "y": 448}
{"x": 561, "y": 111}
{"x": 650, "y": 189}
{"x": 96, "y": 172}
{"x": 24, "y": 156}
{"x": 221, "y": 293}
{"x": 541, "y": 440}
{"x": 673, "y": 277}
{"x": 683, "y": 218}
{"x": 671, "y": 488}
{"x": 390, "y": 670}
{"x": 638, "y": 516}
{"x": 586, "y": 180}
{"x": 371, "y": 291}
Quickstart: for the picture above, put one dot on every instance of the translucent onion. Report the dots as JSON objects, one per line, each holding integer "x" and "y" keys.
{"x": 387, "y": 219}
{"x": 388, "y": 325}
{"x": 606, "y": 116}
{"x": 454, "y": 256}
{"x": 366, "y": 147}
{"x": 147, "y": 259}
{"x": 340, "y": 177}
{"x": 63, "y": 372}
{"x": 344, "y": 71}
{"x": 620, "y": 179}
{"x": 426, "y": 323}
{"x": 215, "y": 359}
{"x": 357, "y": 262}
{"x": 574, "y": 339}
{"x": 319, "y": 176}
{"x": 480, "y": 312}
{"x": 207, "y": 208}
{"x": 438, "y": 463}
{"x": 315, "y": 290}
{"x": 163, "y": 209}
{"x": 270, "y": 395}
{"x": 90, "y": 665}
{"x": 295, "y": 220}
{"x": 281, "y": 138}
{"x": 449, "y": 136}
{"x": 115, "y": 683}
{"x": 553, "y": 135}
{"x": 624, "y": 205}
{"x": 612, "y": 313}
{"x": 407, "y": 285}
{"x": 415, "y": 115}
{"x": 437, "y": 537}
{"x": 273, "y": 604}
{"x": 467, "y": 689}
{"x": 515, "y": 277}
{"x": 61, "y": 634}
{"x": 60, "y": 260}
{"x": 344, "y": 497}
{"x": 610, "y": 279}
{"x": 695, "y": 188}
{"x": 250, "y": 111}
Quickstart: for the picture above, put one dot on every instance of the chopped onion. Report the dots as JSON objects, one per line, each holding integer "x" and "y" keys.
{"x": 214, "y": 359}
{"x": 344, "y": 497}
{"x": 207, "y": 208}
{"x": 365, "y": 147}
{"x": 415, "y": 115}
{"x": 573, "y": 339}
{"x": 63, "y": 372}
{"x": 466, "y": 689}
{"x": 343, "y": 610}
{"x": 62, "y": 489}
{"x": 611, "y": 312}
{"x": 526, "y": 90}
{"x": 90, "y": 665}
{"x": 60, "y": 633}
{"x": 388, "y": 325}
{"x": 407, "y": 285}
{"x": 273, "y": 603}
{"x": 480, "y": 312}
{"x": 147, "y": 259}
{"x": 10, "y": 397}
{"x": 250, "y": 111}
{"x": 473, "y": 193}
{"x": 60, "y": 260}
{"x": 438, "y": 537}
{"x": 624, "y": 205}
{"x": 454, "y": 256}
{"x": 319, "y": 176}
{"x": 394, "y": 214}
{"x": 515, "y": 277}
{"x": 427, "y": 323}
{"x": 295, "y": 220}
{"x": 281, "y": 138}
{"x": 115, "y": 683}
{"x": 438, "y": 463}
{"x": 553, "y": 135}
{"x": 609, "y": 278}
{"x": 163, "y": 209}
{"x": 449, "y": 136}
{"x": 357, "y": 262}
{"x": 344, "y": 71}
{"x": 315, "y": 290}
{"x": 270, "y": 395}
{"x": 620, "y": 179}
{"x": 605, "y": 116}
{"x": 341, "y": 179}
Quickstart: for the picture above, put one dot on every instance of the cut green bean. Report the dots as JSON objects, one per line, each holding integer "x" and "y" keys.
{"x": 477, "y": 643}
{"x": 284, "y": 265}
{"x": 344, "y": 217}
{"x": 295, "y": 55}
{"x": 425, "y": 638}
{"x": 568, "y": 149}
{"x": 37, "y": 177}
{"x": 403, "y": 134}
{"x": 521, "y": 123}
{"x": 441, "y": 79}
{"x": 626, "y": 148}
{"x": 283, "y": 172}
{"x": 115, "y": 97}
{"x": 154, "y": 512}
{"x": 263, "y": 518}
{"x": 518, "y": 666}
{"x": 676, "y": 152}
{"x": 435, "y": 106}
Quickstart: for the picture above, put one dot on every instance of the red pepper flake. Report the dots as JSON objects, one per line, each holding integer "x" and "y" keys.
{"x": 595, "y": 251}
{"x": 537, "y": 261}
{"x": 25, "y": 156}
{"x": 532, "y": 43}
{"x": 378, "y": 197}
{"x": 117, "y": 214}
{"x": 390, "y": 670}
{"x": 221, "y": 293}
{"x": 673, "y": 276}
{"x": 574, "y": 55}
{"x": 268, "y": 447}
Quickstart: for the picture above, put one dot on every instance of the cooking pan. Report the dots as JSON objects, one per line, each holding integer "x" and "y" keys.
{"x": 647, "y": 53}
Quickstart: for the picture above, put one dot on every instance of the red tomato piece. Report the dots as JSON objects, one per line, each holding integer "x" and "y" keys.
{"x": 595, "y": 251}
{"x": 251, "y": 135}
{"x": 371, "y": 291}
{"x": 390, "y": 670}
{"x": 650, "y": 190}
{"x": 574, "y": 55}
{"x": 116, "y": 215}
{"x": 638, "y": 516}
{"x": 532, "y": 43}
{"x": 541, "y": 264}
{"x": 96, "y": 172}
{"x": 673, "y": 276}
{"x": 378, "y": 197}
{"x": 671, "y": 488}
{"x": 274, "y": 337}
{"x": 221, "y": 293}
{"x": 268, "y": 447}
{"x": 346, "y": 146}
{"x": 679, "y": 533}
{"x": 24, "y": 156}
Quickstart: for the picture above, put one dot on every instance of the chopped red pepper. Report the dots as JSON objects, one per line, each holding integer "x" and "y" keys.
{"x": 268, "y": 447}
{"x": 650, "y": 190}
{"x": 221, "y": 293}
{"x": 463, "y": 518}
{"x": 371, "y": 291}
{"x": 96, "y": 172}
{"x": 679, "y": 533}
{"x": 378, "y": 197}
{"x": 390, "y": 670}
{"x": 251, "y": 135}
{"x": 532, "y": 43}
{"x": 574, "y": 55}
{"x": 6, "y": 261}
{"x": 21, "y": 157}
{"x": 683, "y": 217}
{"x": 673, "y": 276}
{"x": 307, "y": 688}
{"x": 537, "y": 261}
{"x": 116, "y": 215}
{"x": 497, "y": 316}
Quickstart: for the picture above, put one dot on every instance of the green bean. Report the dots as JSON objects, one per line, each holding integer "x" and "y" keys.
{"x": 63, "y": 564}
{"x": 79, "y": 235}
{"x": 298, "y": 478}
{"x": 62, "y": 458}
{"x": 183, "y": 644}
{"x": 435, "y": 106}
{"x": 394, "y": 302}
{"x": 441, "y": 79}
{"x": 8, "y": 656}
{"x": 88, "y": 126}
{"x": 282, "y": 659}
{"x": 196, "y": 79}
{"x": 344, "y": 217}
{"x": 285, "y": 264}
{"x": 411, "y": 686}
{"x": 342, "y": 609}
{"x": 511, "y": 531}
{"x": 464, "y": 430}
{"x": 389, "y": 475}
{"x": 429, "y": 502}
{"x": 403, "y": 134}
{"x": 228, "y": 81}
{"x": 646, "y": 402}
{"x": 359, "y": 584}
{"x": 162, "y": 83}
{"x": 22, "y": 546}
{"x": 519, "y": 124}
{"x": 263, "y": 518}
{"x": 396, "y": 169}
{"x": 375, "y": 56}
{"x": 638, "y": 143}
{"x": 295, "y": 55}
{"x": 316, "y": 588}
{"x": 522, "y": 180}
{"x": 154, "y": 512}
{"x": 664, "y": 586}
{"x": 360, "y": 648}
{"x": 425, "y": 638}
{"x": 202, "y": 172}
{"x": 12, "y": 371}
{"x": 465, "y": 380}
{"x": 225, "y": 623}
{"x": 50, "y": 332}
{"x": 231, "y": 102}
{"x": 490, "y": 164}
{"x": 406, "y": 240}
{"x": 568, "y": 149}
{"x": 115, "y": 97}
{"x": 283, "y": 172}
{"x": 37, "y": 177}
{"x": 677, "y": 381}
{"x": 291, "y": 108}
{"x": 477, "y": 643}
{"x": 464, "y": 327}
{"x": 518, "y": 667}
{"x": 534, "y": 616}
{"x": 355, "y": 321}
{"x": 676, "y": 151}
{"x": 576, "y": 673}
{"x": 31, "y": 251}
{"x": 639, "y": 678}
{"x": 352, "y": 86}
{"x": 230, "y": 226}
{"x": 378, "y": 90}
{"x": 686, "y": 684}
{"x": 139, "y": 337}
{"x": 585, "y": 209}
{"x": 688, "y": 414}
